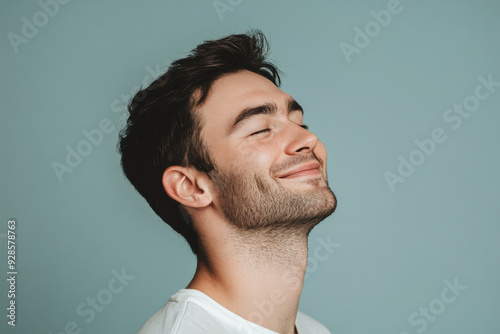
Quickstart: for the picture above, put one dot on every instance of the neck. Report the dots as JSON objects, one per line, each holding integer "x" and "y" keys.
{"x": 256, "y": 274}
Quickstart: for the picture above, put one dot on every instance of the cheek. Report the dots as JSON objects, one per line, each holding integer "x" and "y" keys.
{"x": 251, "y": 159}
{"x": 259, "y": 158}
{"x": 256, "y": 158}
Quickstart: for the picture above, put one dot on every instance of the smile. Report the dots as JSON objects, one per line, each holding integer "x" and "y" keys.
{"x": 310, "y": 169}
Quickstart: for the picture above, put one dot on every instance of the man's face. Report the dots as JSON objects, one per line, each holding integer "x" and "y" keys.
{"x": 270, "y": 172}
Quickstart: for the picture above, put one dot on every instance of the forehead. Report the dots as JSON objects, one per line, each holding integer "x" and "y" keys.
{"x": 234, "y": 92}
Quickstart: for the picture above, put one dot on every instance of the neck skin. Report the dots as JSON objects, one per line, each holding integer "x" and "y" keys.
{"x": 256, "y": 274}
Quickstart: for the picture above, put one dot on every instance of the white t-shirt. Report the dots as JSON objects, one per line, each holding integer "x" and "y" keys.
{"x": 191, "y": 311}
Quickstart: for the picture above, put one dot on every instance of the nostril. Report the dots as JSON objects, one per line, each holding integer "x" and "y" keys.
{"x": 302, "y": 149}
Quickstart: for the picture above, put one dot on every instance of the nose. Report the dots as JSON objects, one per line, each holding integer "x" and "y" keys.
{"x": 300, "y": 141}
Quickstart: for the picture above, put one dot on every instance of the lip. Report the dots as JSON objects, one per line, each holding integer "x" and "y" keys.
{"x": 311, "y": 168}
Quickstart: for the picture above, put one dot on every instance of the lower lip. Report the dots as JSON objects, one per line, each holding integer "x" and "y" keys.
{"x": 308, "y": 172}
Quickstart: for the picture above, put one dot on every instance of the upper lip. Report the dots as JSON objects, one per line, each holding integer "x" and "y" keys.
{"x": 301, "y": 168}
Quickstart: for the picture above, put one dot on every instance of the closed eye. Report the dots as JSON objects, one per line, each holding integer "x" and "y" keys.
{"x": 266, "y": 130}
{"x": 260, "y": 131}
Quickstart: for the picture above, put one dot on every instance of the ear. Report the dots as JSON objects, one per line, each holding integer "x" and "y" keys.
{"x": 187, "y": 186}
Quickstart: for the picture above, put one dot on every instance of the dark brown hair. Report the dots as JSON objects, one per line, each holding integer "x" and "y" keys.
{"x": 163, "y": 129}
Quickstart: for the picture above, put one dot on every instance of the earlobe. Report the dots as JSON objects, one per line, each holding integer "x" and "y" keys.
{"x": 181, "y": 184}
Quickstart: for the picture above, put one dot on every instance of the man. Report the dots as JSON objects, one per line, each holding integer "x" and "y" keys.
{"x": 222, "y": 155}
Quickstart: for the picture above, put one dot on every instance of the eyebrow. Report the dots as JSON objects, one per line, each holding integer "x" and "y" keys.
{"x": 269, "y": 108}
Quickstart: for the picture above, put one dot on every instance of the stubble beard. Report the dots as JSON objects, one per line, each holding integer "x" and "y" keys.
{"x": 258, "y": 204}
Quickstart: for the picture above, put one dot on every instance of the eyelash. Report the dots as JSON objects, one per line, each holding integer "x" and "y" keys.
{"x": 266, "y": 130}
{"x": 261, "y": 131}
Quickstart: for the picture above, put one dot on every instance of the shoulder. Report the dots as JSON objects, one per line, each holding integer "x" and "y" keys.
{"x": 178, "y": 317}
{"x": 307, "y": 325}
{"x": 189, "y": 312}
{"x": 166, "y": 320}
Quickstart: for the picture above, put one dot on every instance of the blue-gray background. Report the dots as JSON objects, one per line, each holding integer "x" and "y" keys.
{"x": 395, "y": 249}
